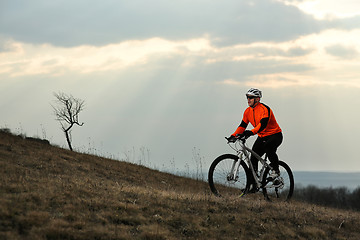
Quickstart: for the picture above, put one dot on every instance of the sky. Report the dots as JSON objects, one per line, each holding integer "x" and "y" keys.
{"x": 165, "y": 81}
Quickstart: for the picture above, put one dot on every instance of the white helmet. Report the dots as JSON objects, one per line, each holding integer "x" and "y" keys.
{"x": 254, "y": 92}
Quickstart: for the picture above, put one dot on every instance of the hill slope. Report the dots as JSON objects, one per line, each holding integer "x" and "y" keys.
{"x": 51, "y": 193}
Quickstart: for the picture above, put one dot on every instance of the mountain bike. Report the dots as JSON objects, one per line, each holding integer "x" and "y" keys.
{"x": 229, "y": 174}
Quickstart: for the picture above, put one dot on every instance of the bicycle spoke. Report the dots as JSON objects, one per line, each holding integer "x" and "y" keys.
{"x": 223, "y": 180}
{"x": 281, "y": 188}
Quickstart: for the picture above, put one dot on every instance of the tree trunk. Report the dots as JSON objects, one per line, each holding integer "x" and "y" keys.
{"x": 68, "y": 140}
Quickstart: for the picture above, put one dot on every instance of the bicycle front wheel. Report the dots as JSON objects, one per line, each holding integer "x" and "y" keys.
{"x": 228, "y": 177}
{"x": 280, "y": 188}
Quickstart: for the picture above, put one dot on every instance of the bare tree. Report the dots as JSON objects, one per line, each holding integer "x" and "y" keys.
{"x": 67, "y": 111}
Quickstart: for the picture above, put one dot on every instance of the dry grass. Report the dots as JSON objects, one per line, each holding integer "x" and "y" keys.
{"x": 51, "y": 193}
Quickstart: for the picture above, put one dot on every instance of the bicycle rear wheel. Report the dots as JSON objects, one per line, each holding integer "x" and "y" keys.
{"x": 223, "y": 181}
{"x": 280, "y": 188}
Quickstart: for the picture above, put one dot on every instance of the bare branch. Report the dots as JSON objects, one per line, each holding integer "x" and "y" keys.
{"x": 67, "y": 112}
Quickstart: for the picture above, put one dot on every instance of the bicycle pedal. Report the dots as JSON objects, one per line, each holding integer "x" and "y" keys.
{"x": 277, "y": 182}
{"x": 269, "y": 179}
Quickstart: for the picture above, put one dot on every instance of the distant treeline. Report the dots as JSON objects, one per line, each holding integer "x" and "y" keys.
{"x": 339, "y": 197}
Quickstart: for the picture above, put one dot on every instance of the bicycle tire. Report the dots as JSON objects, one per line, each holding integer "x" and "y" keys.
{"x": 218, "y": 177}
{"x": 281, "y": 188}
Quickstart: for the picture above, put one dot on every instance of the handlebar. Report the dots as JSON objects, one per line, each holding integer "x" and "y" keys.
{"x": 238, "y": 137}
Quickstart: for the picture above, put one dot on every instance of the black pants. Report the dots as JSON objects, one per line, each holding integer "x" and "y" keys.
{"x": 268, "y": 145}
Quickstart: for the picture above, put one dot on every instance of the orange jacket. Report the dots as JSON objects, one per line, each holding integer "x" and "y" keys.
{"x": 263, "y": 120}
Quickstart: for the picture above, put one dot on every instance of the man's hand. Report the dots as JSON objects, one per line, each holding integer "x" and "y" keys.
{"x": 248, "y": 133}
{"x": 231, "y": 139}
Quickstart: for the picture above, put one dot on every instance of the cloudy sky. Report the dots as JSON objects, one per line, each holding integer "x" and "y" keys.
{"x": 171, "y": 76}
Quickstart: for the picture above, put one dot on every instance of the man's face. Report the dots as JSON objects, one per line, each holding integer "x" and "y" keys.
{"x": 252, "y": 100}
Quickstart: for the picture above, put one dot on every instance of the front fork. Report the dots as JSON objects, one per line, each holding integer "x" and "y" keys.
{"x": 233, "y": 175}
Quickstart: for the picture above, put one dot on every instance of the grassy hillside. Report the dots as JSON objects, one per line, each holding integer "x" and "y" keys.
{"x": 51, "y": 193}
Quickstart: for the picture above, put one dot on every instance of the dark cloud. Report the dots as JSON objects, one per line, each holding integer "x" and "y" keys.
{"x": 342, "y": 51}
{"x": 349, "y": 23}
{"x": 271, "y": 51}
{"x": 71, "y": 23}
{"x": 299, "y": 51}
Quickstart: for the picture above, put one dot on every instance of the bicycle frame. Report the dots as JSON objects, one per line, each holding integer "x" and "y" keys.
{"x": 243, "y": 152}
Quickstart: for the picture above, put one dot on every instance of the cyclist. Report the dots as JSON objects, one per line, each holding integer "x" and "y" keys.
{"x": 265, "y": 126}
